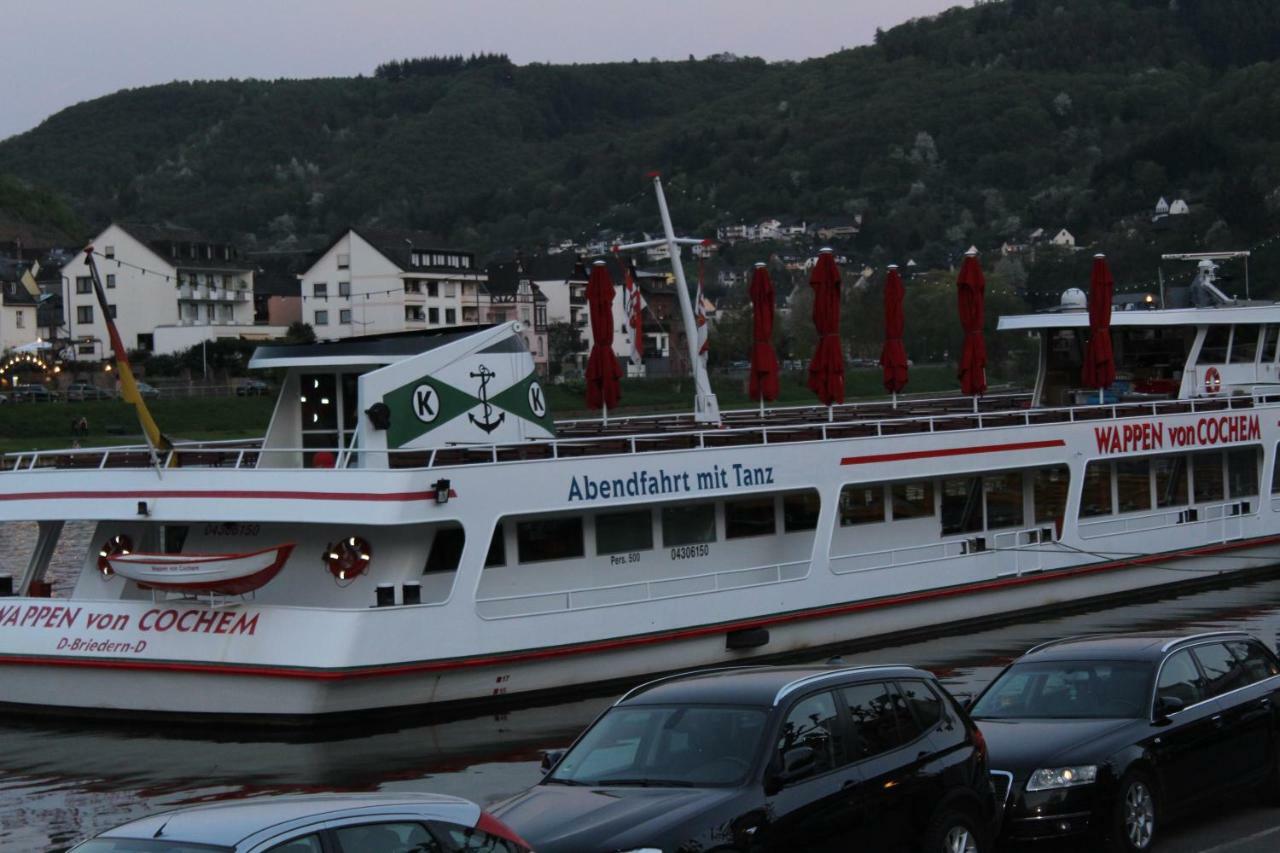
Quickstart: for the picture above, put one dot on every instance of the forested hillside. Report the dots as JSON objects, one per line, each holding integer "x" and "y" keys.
{"x": 964, "y": 128}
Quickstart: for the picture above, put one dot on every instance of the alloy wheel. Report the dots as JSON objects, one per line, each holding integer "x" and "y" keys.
{"x": 1139, "y": 815}
{"x": 959, "y": 840}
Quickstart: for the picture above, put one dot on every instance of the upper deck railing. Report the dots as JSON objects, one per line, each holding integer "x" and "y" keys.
{"x": 647, "y": 434}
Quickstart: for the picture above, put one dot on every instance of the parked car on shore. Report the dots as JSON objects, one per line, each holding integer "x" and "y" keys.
{"x": 34, "y": 394}
{"x": 816, "y": 758}
{"x": 83, "y": 391}
{"x": 253, "y": 388}
{"x": 1112, "y": 735}
{"x": 148, "y": 392}
{"x": 317, "y": 823}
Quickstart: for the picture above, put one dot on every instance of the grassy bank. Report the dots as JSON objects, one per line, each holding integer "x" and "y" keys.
{"x": 39, "y": 426}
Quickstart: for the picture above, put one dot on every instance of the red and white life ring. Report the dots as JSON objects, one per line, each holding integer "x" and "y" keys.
{"x": 348, "y": 558}
{"x": 1212, "y": 381}
{"x": 116, "y": 545}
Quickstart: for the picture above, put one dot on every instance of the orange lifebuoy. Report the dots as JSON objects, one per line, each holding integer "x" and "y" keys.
{"x": 348, "y": 558}
{"x": 118, "y": 544}
{"x": 1212, "y": 381}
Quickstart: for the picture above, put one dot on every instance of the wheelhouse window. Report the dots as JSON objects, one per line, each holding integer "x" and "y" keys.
{"x": 1095, "y": 492}
{"x": 912, "y": 500}
{"x": 542, "y": 539}
{"x": 497, "y": 555}
{"x": 1270, "y": 338}
{"x": 1242, "y": 472}
{"x": 1133, "y": 484}
{"x": 749, "y": 517}
{"x": 446, "y": 550}
{"x": 619, "y": 532}
{"x": 961, "y": 505}
{"x": 1049, "y": 492}
{"x": 861, "y": 504}
{"x": 800, "y": 511}
{"x": 1206, "y": 476}
{"x": 1214, "y": 348}
{"x": 1004, "y": 499}
{"x": 1244, "y": 344}
{"x": 319, "y": 403}
{"x": 688, "y": 524}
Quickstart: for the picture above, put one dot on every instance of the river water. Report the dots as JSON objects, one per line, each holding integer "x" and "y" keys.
{"x": 62, "y": 781}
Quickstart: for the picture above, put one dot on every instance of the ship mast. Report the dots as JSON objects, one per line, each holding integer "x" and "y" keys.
{"x": 706, "y": 408}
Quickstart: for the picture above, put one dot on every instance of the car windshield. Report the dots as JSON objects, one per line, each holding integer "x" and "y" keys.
{"x": 145, "y": 845}
{"x": 659, "y": 745}
{"x": 1088, "y": 689}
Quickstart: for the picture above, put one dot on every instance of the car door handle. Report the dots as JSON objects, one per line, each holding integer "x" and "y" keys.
{"x": 1265, "y": 701}
{"x": 1217, "y": 720}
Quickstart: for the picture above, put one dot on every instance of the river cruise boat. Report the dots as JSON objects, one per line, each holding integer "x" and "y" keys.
{"x": 414, "y": 529}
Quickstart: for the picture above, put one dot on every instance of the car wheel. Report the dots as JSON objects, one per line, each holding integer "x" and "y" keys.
{"x": 1133, "y": 825}
{"x": 954, "y": 831}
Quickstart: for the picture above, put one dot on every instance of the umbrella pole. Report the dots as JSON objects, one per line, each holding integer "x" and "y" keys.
{"x": 975, "y": 404}
{"x": 605, "y": 417}
{"x": 895, "y": 399}
{"x": 830, "y": 413}
{"x": 762, "y": 405}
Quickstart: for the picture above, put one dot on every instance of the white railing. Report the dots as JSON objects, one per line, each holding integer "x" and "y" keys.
{"x": 871, "y": 561}
{"x": 583, "y": 598}
{"x": 1229, "y": 513}
{"x": 699, "y": 439}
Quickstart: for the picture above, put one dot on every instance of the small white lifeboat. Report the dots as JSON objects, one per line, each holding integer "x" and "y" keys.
{"x": 227, "y": 574}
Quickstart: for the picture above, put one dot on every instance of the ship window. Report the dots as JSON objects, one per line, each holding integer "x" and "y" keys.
{"x": 689, "y": 524}
{"x": 1049, "y": 491}
{"x": 1242, "y": 472}
{"x": 862, "y": 504}
{"x": 1004, "y": 499}
{"x": 617, "y": 532}
{"x": 446, "y": 550}
{"x": 1244, "y": 344}
{"x": 1133, "y": 484}
{"x": 1095, "y": 493}
{"x": 749, "y": 517}
{"x": 319, "y": 401}
{"x": 800, "y": 511}
{"x": 1206, "y": 476}
{"x": 961, "y": 505}
{"x": 913, "y": 500}
{"x": 1270, "y": 338}
{"x": 1275, "y": 473}
{"x": 497, "y": 555}
{"x": 1214, "y": 348}
{"x": 549, "y": 539}
{"x": 1171, "y": 480}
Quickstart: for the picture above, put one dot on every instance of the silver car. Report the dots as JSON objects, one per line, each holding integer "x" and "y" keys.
{"x": 317, "y": 823}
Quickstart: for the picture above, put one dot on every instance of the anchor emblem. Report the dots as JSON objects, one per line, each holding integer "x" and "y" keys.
{"x": 484, "y": 374}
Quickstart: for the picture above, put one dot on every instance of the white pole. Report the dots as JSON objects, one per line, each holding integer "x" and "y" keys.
{"x": 705, "y": 406}
{"x": 895, "y": 399}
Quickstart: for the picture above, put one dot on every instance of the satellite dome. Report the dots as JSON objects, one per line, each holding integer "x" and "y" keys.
{"x": 1073, "y": 297}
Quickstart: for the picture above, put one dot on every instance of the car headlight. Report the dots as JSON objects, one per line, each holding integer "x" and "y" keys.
{"x": 1062, "y": 777}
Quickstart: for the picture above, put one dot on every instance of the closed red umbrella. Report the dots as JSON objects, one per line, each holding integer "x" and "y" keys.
{"x": 763, "y": 384}
{"x": 603, "y": 372}
{"x": 973, "y": 359}
{"x": 1099, "y": 369}
{"x": 826, "y": 371}
{"x": 893, "y": 357}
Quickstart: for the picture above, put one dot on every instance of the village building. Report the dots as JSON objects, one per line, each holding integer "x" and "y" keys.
{"x": 512, "y": 295}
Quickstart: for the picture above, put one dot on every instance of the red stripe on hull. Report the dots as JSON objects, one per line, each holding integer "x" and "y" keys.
{"x": 952, "y": 451}
{"x": 316, "y": 674}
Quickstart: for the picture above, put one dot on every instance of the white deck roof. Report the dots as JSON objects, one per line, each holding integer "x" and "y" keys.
{"x": 1253, "y": 313}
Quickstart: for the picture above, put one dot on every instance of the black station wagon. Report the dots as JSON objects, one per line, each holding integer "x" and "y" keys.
{"x": 1110, "y": 735}
{"x": 874, "y": 758}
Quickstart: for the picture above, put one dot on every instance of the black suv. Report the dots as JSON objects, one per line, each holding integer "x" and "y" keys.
{"x": 818, "y": 758}
{"x": 1109, "y": 735}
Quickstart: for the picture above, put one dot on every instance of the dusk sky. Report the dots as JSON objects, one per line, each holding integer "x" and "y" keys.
{"x": 61, "y": 52}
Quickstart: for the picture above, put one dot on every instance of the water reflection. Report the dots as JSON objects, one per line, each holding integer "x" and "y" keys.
{"x": 60, "y": 782}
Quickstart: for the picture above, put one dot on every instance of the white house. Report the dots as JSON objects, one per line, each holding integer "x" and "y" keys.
{"x": 1179, "y": 207}
{"x": 512, "y": 295}
{"x": 18, "y": 325}
{"x": 370, "y": 281}
{"x": 1162, "y": 207}
{"x": 168, "y": 288}
{"x": 1063, "y": 239}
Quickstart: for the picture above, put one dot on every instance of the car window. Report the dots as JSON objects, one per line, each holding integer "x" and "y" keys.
{"x": 1069, "y": 690}
{"x": 1180, "y": 679}
{"x": 813, "y": 722}
{"x": 924, "y": 700}
{"x": 398, "y": 837}
{"x": 474, "y": 840}
{"x": 305, "y": 844}
{"x": 1258, "y": 663}
{"x": 879, "y": 719}
{"x": 1222, "y": 672}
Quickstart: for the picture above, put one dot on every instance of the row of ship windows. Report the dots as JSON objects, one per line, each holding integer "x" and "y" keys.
{"x": 963, "y": 504}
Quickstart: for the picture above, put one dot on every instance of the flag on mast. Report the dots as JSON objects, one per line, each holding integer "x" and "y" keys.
{"x": 29, "y": 279}
{"x": 700, "y": 318}
{"x": 128, "y": 385}
{"x": 633, "y": 306}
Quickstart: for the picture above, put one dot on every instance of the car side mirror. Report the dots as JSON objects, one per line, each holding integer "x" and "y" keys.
{"x": 551, "y": 758}
{"x": 1167, "y": 705}
{"x": 965, "y": 699}
{"x": 797, "y": 761}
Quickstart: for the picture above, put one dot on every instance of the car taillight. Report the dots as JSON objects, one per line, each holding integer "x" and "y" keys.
{"x": 490, "y": 824}
{"x": 980, "y": 743}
